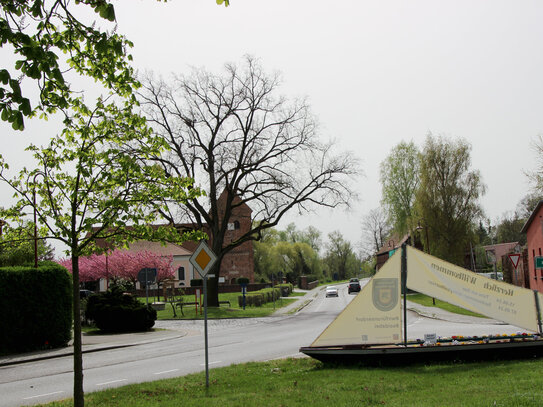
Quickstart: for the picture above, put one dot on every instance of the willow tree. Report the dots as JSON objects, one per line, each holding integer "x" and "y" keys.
{"x": 400, "y": 177}
{"x": 88, "y": 188}
{"x": 447, "y": 201}
{"x": 241, "y": 141}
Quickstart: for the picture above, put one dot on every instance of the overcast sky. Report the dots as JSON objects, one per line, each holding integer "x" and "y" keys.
{"x": 376, "y": 73}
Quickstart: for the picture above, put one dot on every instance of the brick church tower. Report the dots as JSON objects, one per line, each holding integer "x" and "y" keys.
{"x": 239, "y": 262}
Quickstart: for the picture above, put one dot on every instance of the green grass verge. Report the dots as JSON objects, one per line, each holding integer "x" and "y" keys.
{"x": 224, "y": 311}
{"x": 427, "y": 301}
{"x": 306, "y": 382}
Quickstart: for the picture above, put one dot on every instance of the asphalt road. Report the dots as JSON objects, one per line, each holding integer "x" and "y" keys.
{"x": 230, "y": 342}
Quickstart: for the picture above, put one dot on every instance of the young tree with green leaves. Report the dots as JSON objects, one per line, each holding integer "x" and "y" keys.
{"x": 53, "y": 43}
{"x": 447, "y": 201}
{"x": 400, "y": 178}
{"x": 89, "y": 188}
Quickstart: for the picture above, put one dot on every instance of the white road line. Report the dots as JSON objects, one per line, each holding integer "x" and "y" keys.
{"x": 111, "y": 382}
{"x": 166, "y": 371}
{"x": 43, "y": 395}
{"x": 211, "y": 363}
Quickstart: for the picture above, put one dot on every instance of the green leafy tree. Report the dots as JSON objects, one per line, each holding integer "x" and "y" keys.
{"x": 340, "y": 258}
{"x": 400, "y": 178}
{"x": 242, "y": 142}
{"x": 17, "y": 245}
{"x": 50, "y": 42}
{"x": 509, "y": 227}
{"x": 88, "y": 188}
{"x": 447, "y": 201}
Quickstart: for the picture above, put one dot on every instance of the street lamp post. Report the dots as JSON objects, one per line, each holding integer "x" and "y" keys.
{"x": 35, "y": 217}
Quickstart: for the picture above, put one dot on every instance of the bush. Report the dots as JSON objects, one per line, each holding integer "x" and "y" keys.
{"x": 260, "y": 297}
{"x": 114, "y": 311}
{"x": 242, "y": 280}
{"x": 286, "y": 289}
{"x": 36, "y": 308}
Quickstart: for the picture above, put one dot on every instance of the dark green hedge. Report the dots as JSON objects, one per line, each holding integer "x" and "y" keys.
{"x": 114, "y": 311}
{"x": 36, "y": 308}
{"x": 260, "y": 297}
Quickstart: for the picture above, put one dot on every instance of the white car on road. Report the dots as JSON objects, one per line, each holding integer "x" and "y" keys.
{"x": 332, "y": 291}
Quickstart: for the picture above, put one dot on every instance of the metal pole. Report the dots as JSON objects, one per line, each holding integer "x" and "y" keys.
{"x": 205, "y": 332}
{"x": 404, "y": 289}
{"x": 35, "y": 227}
{"x": 146, "y": 287}
{"x": 538, "y": 309}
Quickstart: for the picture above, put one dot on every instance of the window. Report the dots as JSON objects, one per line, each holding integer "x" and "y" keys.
{"x": 181, "y": 273}
{"x": 236, "y": 224}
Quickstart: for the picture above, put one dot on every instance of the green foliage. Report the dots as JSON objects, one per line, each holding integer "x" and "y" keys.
{"x": 242, "y": 280}
{"x": 260, "y": 297}
{"x": 400, "y": 178}
{"x": 37, "y": 308}
{"x": 340, "y": 258}
{"x": 289, "y": 252}
{"x": 92, "y": 184}
{"x": 508, "y": 229}
{"x": 46, "y": 38}
{"x": 114, "y": 311}
{"x": 447, "y": 199}
{"x": 17, "y": 246}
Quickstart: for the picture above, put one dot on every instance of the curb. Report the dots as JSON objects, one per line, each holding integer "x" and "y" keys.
{"x": 68, "y": 351}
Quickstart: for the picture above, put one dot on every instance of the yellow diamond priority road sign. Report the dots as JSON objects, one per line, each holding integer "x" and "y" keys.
{"x": 203, "y": 259}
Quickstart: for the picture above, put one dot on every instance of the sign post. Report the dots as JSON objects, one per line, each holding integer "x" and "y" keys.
{"x": 515, "y": 257}
{"x": 147, "y": 276}
{"x": 203, "y": 260}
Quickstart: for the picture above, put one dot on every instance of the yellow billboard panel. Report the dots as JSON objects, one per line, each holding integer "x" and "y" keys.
{"x": 374, "y": 315}
{"x": 455, "y": 285}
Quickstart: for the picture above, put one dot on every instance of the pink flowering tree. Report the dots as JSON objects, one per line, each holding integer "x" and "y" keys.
{"x": 122, "y": 266}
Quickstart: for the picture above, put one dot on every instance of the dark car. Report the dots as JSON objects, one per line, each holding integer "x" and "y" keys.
{"x": 354, "y": 286}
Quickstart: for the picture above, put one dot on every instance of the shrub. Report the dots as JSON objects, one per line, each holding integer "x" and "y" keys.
{"x": 260, "y": 297}
{"x": 286, "y": 289}
{"x": 114, "y": 311}
{"x": 36, "y": 308}
{"x": 242, "y": 280}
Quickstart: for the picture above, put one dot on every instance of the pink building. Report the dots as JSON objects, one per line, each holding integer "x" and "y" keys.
{"x": 534, "y": 240}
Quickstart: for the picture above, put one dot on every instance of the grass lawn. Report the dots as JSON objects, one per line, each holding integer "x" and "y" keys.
{"x": 306, "y": 382}
{"x": 224, "y": 311}
{"x": 427, "y": 301}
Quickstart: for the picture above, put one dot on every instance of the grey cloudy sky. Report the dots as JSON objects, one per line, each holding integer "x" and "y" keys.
{"x": 375, "y": 73}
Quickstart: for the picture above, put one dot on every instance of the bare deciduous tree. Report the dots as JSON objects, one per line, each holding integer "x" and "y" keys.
{"x": 236, "y": 137}
{"x": 375, "y": 230}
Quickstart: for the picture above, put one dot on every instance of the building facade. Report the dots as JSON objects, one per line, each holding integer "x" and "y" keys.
{"x": 534, "y": 241}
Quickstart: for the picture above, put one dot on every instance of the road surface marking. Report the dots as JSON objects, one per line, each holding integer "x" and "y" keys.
{"x": 43, "y": 395}
{"x": 111, "y": 382}
{"x": 167, "y": 371}
{"x": 211, "y": 363}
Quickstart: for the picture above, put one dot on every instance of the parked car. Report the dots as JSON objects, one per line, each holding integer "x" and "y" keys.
{"x": 332, "y": 291}
{"x": 354, "y": 286}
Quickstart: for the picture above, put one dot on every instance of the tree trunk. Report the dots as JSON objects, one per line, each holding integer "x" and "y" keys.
{"x": 79, "y": 397}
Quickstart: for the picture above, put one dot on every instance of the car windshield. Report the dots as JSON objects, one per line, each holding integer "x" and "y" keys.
{"x": 331, "y": 287}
